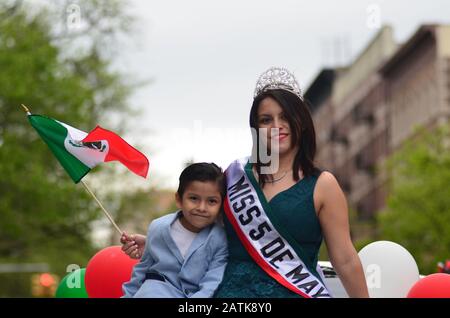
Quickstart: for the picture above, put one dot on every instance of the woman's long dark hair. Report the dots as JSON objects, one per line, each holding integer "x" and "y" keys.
{"x": 301, "y": 129}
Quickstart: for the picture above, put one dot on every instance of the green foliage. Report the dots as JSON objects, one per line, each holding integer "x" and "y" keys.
{"x": 44, "y": 217}
{"x": 138, "y": 208}
{"x": 418, "y": 209}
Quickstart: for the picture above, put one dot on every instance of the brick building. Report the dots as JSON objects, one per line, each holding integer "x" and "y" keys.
{"x": 366, "y": 110}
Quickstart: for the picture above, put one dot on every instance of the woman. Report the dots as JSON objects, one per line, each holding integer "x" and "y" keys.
{"x": 278, "y": 214}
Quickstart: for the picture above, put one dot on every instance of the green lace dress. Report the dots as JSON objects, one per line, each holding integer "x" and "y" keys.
{"x": 243, "y": 278}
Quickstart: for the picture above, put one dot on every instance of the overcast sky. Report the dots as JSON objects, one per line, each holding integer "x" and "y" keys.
{"x": 204, "y": 58}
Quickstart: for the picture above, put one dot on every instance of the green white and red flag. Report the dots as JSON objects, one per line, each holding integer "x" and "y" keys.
{"x": 79, "y": 152}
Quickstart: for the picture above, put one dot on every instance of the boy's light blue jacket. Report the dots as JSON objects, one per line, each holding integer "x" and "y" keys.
{"x": 198, "y": 275}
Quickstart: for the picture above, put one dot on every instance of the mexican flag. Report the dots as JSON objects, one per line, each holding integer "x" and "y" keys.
{"x": 79, "y": 152}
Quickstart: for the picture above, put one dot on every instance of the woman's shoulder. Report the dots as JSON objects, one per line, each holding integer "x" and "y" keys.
{"x": 326, "y": 183}
{"x": 326, "y": 178}
{"x": 327, "y": 188}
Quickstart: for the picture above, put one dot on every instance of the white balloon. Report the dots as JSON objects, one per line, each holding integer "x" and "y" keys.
{"x": 389, "y": 268}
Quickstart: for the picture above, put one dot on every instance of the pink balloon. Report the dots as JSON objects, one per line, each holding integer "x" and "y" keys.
{"x": 431, "y": 286}
{"x": 107, "y": 271}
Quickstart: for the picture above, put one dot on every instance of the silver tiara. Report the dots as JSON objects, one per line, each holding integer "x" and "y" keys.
{"x": 277, "y": 78}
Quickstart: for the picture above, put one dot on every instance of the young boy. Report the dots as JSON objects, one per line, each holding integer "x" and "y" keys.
{"x": 185, "y": 252}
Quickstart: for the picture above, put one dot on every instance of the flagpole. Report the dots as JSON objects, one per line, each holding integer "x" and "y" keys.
{"x": 26, "y": 109}
{"x": 101, "y": 206}
{"x": 88, "y": 189}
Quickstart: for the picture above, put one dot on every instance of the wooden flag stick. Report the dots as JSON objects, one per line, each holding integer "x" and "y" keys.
{"x": 26, "y": 109}
{"x": 103, "y": 209}
{"x": 89, "y": 190}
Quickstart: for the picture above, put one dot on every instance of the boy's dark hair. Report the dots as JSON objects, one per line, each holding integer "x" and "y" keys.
{"x": 203, "y": 172}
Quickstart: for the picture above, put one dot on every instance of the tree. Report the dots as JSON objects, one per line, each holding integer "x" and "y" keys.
{"x": 44, "y": 216}
{"x": 139, "y": 207}
{"x": 418, "y": 207}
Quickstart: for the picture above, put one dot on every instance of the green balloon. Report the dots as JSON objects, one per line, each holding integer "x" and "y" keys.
{"x": 72, "y": 285}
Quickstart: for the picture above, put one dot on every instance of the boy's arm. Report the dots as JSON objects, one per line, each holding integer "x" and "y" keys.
{"x": 139, "y": 271}
{"x": 214, "y": 275}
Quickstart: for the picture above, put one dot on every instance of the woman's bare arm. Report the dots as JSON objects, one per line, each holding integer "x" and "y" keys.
{"x": 333, "y": 216}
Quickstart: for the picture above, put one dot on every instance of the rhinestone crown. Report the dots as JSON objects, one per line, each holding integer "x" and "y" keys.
{"x": 277, "y": 78}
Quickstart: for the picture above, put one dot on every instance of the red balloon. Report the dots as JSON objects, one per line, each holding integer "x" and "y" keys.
{"x": 107, "y": 271}
{"x": 431, "y": 286}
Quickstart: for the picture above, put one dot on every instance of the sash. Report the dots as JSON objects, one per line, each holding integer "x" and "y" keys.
{"x": 268, "y": 248}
